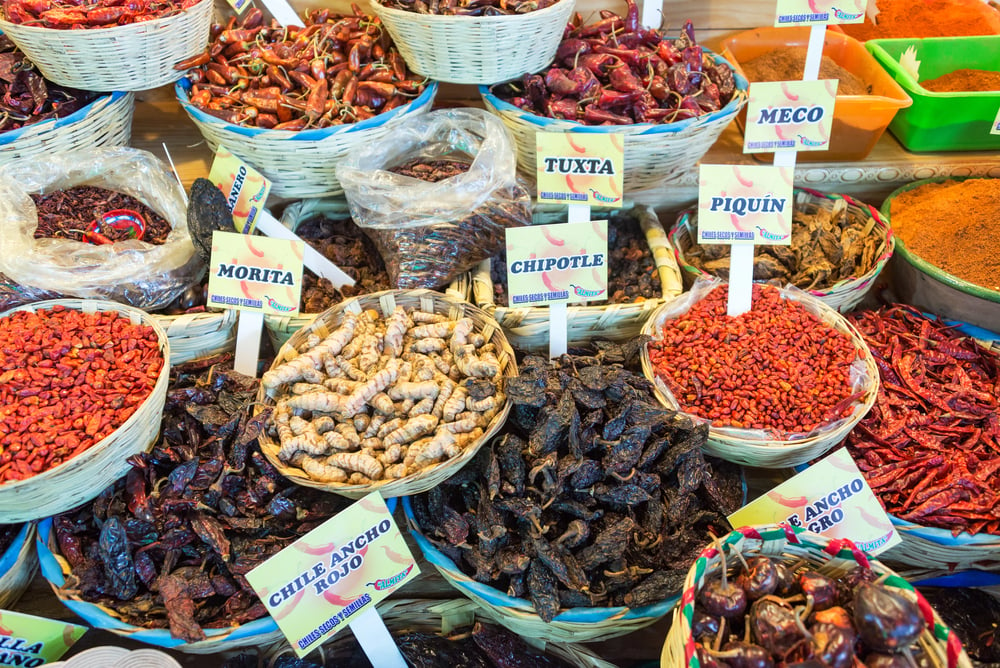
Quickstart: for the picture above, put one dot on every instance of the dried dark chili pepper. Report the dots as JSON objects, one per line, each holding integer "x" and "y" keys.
{"x": 68, "y": 214}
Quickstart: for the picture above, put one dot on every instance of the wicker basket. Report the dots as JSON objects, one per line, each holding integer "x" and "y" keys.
{"x": 769, "y": 453}
{"x": 654, "y": 154}
{"x": 18, "y": 566}
{"x": 830, "y": 557}
{"x": 933, "y": 548}
{"x": 55, "y": 569}
{"x": 84, "y": 476}
{"x": 138, "y": 56}
{"x": 528, "y": 328}
{"x": 107, "y": 121}
{"x": 477, "y": 49}
{"x": 385, "y": 302}
{"x": 844, "y": 295}
{"x": 194, "y": 335}
{"x": 441, "y": 616}
{"x": 280, "y": 328}
{"x": 300, "y": 164}
{"x": 518, "y": 615}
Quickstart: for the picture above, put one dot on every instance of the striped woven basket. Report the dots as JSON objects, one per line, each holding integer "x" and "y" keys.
{"x": 795, "y": 545}
{"x": 655, "y": 155}
{"x": 385, "y": 302}
{"x": 444, "y": 617}
{"x": 107, "y": 121}
{"x": 735, "y": 445}
{"x": 528, "y": 328}
{"x": 138, "y": 56}
{"x": 54, "y": 568}
{"x": 845, "y": 294}
{"x": 84, "y": 476}
{"x": 194, "y": 335}
{"x": 18, "y": 565}
{"x": 300, "y": 164}
{"x": 280, "y": 328}
{"x": 477, "y": 49}
{"x": 518, "y": 615}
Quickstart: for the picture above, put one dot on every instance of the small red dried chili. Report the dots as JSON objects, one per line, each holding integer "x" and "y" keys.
{"x": 776, "y": 367}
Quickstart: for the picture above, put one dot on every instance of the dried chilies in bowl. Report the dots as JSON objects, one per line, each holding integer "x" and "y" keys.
{"x": 77, "y": 213}
{"x": 169, "y": 545}
{"x": 595, "y": 496}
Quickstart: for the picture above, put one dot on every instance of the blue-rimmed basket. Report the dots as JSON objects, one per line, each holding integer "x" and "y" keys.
{"x": 258, "y": 633}
{"x": 842, "y": 296}
{"x": 655, "y": 154}
{"x": 304, "y": 163}
{"x": 107, "y": 121}
{"x": 829, "y": 556}
{"x": 518, "y": 615}
{"x": 18, "y": 565}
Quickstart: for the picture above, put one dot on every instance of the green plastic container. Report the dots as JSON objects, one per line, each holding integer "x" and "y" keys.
{"x": 943, "y": 121}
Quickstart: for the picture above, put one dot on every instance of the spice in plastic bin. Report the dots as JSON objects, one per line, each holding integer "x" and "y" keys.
{"x": 68, "y": 380}
{"x": 81, "y": 212}
{"x": 927, "y": 18}
{"x": 952, "y": 225}
{"x": 928, "y": 448}
{"x": 68, "y": 15}
{"x": 776, "y": 367}
{"x": 788, "y": 64}
{"x": 964, "y": 81}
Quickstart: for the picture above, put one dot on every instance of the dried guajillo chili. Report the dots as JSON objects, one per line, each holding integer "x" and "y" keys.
{"x": 930, "y": 447}
{"x": 776, "y": 367}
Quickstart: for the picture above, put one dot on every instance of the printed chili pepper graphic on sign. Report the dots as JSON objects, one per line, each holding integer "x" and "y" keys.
{"x": 389, "y": 583}
{"x": 580, "y": 292}
{"x": 845, "y": 16}
{"x": 278, "y": 307}
{"x": 601, "y": 198}
{"x": 789, "y": 502}
{"x": 810, "y": 142}
{"x": 770, "y": 237}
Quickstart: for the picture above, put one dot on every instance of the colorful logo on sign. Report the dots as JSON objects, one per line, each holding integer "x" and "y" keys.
{"x": 845, "y": 16}
{"x": 389, "y": 583}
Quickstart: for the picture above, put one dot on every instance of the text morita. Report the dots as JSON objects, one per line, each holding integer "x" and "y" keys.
{"x": 255, "y": 274}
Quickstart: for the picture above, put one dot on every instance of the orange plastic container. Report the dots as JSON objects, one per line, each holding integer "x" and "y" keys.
{"x": 858, "y": 120}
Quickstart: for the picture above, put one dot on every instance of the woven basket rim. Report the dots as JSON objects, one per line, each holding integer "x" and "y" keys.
{"x": 771, "y": 445}
{"x": 112, "y": 31}
{"x": 374, "y": 300}
{"x": 99, "y": 305}
{"x": 686, "y": 218}
{"x": 9, "y": 559}
{"x": 182, "y": 89}
{"x": 642, "y": 129}
{"x": 402, "y": 14}
{"x": 81, "y": 114}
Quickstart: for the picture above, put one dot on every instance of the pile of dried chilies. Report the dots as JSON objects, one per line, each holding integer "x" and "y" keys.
{"x": 615, "y": 72}
{"x": 73, "y": 15}
{"x": 72, "y": 213}
{"x": 930, "y": 447}
{"x": 332, "y": 71}
{"x": 596, "y": 496}
{"x": 169, "y": 544}
{"x": 469, "y": 7}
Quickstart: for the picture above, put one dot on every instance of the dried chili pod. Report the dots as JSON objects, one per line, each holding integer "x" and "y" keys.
{"x": 117, "y": 559}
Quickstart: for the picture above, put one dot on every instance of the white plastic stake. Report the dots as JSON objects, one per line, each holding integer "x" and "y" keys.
{"x": 558, "y": 312}
{"x": 376, "y": 641}
{"x": 740, "y": 279}
{"x": 283, "y": 13}
{"x": 248, "y": 329}
{"x": 312, "y": 259}
{"x": 174, "y": 168}
{"x": 817, "y": 37}
{"x": 652, "y": 13}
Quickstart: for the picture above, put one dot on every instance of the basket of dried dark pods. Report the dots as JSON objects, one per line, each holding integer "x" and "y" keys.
{"x": 393, "y": 391}
{"x": 775, "y": 594}
{"x": 839, "y": 247}
{"x": 159, "y": 556}
{"x": 642, "y": 273}
{"x": 18, "y": 562}
{"x": 579, "y": 522}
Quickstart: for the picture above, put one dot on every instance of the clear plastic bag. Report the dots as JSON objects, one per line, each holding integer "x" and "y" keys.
{"x": 430, "y": 232}
{"x": 131, "y": 272}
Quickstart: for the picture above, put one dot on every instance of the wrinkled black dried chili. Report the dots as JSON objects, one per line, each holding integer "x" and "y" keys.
{"x": 68, "y": 214}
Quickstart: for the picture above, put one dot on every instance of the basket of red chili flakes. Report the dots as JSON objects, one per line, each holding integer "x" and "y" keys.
{"x": 780, "y": 384}
{"x": 81, "y": 385}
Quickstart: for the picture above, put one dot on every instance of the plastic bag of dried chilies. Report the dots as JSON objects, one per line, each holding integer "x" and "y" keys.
{"x": 437, "y": 197}
{"x": 145, "y": 275}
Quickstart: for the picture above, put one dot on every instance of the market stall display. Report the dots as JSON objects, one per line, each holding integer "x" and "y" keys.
{"x": 839, "y": 247}
{"x": 393, "y": 391}
{"x": 295, "y": 117}
{"x": 18, "y": 562}
{"x": 955, "y": 98}
{"x": 80, "y": 47}
{"x": 475, "y": 42}
{"x": 67, "y": 427}
{"x": 864, "y": 107}
{"x": 559, "y": 529}
{"x": 946, "y": 256}
{"x": 205, "y": 489}
{"x": 668, "y": 99}
{"x": 653, "y": 269}
{"x": 854, "y": 607}
{"x": 780, "y": 384}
